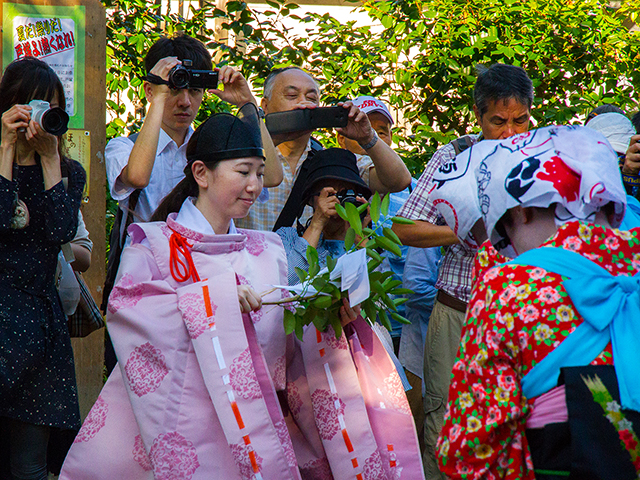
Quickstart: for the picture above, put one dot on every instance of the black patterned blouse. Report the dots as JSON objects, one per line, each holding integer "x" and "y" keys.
{"x": 37, "y": 377}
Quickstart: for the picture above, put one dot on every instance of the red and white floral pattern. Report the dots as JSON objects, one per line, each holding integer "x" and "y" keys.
{"x": 395, "y": 393}
{"x": 329, "y": 337}
{"x": 293, "y": 399}
{"x": 125, "y": 294}
{"x": 242, "y": 377}
{"x": 195, "y": 314}
{"x": 326, "y": 414}
{"x": 256, "y": 242}
{"x": 140, "y": 454}
{"x": 483, "y": 433}
{"x": 145, "y": 369}
{"x": 94, "y": 422}
{"x": 173, "y": 457}
{"x": 372, "y": 469}
{"x": 316, "y": 470}
{"x": 285, "y": 441}
{"x": 240, "y": 453}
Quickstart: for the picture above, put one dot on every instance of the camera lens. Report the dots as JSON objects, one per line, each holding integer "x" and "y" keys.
{"x": 55, "y": 121}
{"x": 179, "y": 77}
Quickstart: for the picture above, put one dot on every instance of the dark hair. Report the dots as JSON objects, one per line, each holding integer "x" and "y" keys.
{"x": 636, "y": 121}
{"x": 502, "y": 82}
{"x": 271, "y": 79}
{"x": 27, "y": 79}
{"x": 182, "y": 46}
{"x": 607, "y": 108}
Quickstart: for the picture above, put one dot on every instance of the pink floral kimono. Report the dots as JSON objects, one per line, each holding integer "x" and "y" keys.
{"x": 205, "y": 392}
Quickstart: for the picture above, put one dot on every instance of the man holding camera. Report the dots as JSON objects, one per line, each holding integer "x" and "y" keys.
{"x": 290, "y": 89}
{"x": 143, "y": 168}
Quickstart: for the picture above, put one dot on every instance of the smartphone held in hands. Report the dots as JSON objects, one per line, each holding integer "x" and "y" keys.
{"x": 306, "y": 119}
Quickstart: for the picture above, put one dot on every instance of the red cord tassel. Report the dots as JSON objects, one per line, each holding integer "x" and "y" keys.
{"x": 181, "y": 270}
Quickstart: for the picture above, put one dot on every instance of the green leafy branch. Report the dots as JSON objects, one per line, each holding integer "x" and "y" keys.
{"x": 321, "y": 304}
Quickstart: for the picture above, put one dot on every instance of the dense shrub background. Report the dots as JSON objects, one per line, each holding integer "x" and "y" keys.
{"x": 421, "y": 58}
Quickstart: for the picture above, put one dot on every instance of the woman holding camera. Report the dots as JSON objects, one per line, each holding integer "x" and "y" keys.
{"x": 333, "y": 178}
{"x": 37, "y": 215}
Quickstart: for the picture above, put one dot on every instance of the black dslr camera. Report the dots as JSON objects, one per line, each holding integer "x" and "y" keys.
{"x": 348, "y": 196}
{"x": 183, "y": 76}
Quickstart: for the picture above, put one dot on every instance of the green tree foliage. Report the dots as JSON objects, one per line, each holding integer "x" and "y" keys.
{"x": 421, "y": 58}
{"x": 579, "y": 54}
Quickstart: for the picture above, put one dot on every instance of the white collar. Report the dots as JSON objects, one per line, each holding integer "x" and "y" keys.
{"x": 164, "y": 139}
{"x": 190, "y": 217}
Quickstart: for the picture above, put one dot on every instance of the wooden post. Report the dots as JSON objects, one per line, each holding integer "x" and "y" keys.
{"x": 89, "y": 350}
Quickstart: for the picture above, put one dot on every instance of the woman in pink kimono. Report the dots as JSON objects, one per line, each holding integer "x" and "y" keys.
{"x": 208, "y": 385}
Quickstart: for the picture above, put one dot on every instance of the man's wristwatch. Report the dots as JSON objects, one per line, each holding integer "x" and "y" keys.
{"x": 372, "y": 143}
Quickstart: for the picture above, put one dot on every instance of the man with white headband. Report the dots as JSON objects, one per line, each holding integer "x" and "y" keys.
{"x": 503, "y": 95}
{"x": 546, "y": 383}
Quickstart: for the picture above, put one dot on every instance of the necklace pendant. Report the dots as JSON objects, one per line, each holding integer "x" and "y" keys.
{"x": 20, "y": 217}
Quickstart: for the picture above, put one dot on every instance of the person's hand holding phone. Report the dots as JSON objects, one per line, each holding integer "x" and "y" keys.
{"x": 359, "y": 127}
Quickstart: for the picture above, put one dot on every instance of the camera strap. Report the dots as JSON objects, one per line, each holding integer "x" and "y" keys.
{"x": 155, "y": 79}
{"x": 293, "y": 206}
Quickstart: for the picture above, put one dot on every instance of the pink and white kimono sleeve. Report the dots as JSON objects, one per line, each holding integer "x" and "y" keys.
{"x": 195, "y": 395}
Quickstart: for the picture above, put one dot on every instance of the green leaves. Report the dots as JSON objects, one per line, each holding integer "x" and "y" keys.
{"x": 374, "y": 210}
{"x": 312, "y": 260}
{"x": 289, "y": 321}
{"x": 353, "y": 217}
{"x": 349, "y": 238}
{"x": 323, "y": 308}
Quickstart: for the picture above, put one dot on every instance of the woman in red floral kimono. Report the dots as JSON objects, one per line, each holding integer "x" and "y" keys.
{"x": 544, "y": 330}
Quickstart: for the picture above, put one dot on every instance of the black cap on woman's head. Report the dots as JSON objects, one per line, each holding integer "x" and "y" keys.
{"x": 225, "y": 137}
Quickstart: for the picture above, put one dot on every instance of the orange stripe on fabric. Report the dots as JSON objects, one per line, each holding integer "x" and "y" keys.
{"x": 322, "y": 352}
{"x": 246, "y": 439}
{"x": 236, "y": 412}
{"x": 207, "y": 300}
{"x": 359, "y": 476}
{"x": 347, "y": 440}
{"x": 354, "y": 462}
{"x": 392, "y": 463}
{"x": 390, "y": 447}
{"x": 254, "y": 464}
{"x": 318, "y": 335}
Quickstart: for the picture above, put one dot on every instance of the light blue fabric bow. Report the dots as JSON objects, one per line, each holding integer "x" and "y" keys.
{"x": 610, "y": 306}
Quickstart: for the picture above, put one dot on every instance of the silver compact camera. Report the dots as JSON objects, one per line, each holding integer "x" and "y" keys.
{"x": 52, "y": 120}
